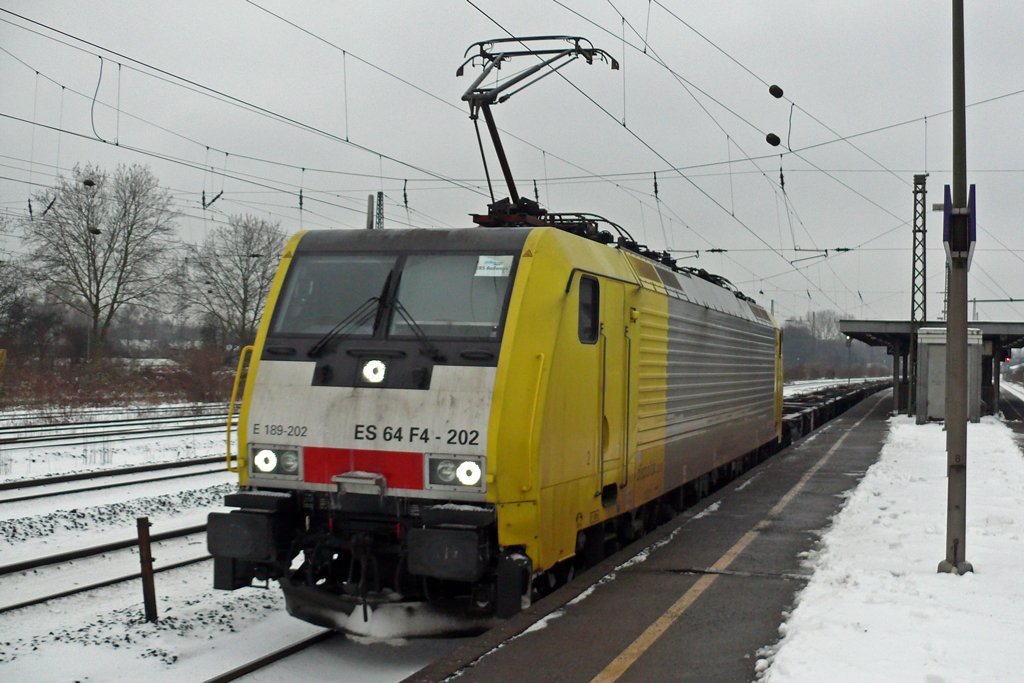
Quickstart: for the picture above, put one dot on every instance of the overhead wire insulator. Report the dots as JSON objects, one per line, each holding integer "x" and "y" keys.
{"x": 208, "y": 204}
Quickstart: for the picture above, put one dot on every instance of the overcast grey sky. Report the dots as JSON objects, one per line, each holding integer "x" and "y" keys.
{"x": 388, "y": 85}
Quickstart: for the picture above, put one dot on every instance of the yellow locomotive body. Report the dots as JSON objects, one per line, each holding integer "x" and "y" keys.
{"x": 416, "y": 454}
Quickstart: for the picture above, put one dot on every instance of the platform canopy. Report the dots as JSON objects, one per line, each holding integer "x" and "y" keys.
{"x": 895, "y": 334}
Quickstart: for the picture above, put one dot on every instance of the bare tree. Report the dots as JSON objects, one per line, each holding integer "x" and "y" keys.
{"x": 100, "y": 242}
{"x": 824, "y": 324}
{"x": 12, "y": 279}
{"x": 229, "y": 275}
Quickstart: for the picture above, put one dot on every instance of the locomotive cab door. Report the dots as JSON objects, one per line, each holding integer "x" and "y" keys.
{"x": 615, "y": 381}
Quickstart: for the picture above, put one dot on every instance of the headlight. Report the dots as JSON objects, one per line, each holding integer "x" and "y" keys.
{"x": 468, "y": 473}
{"x": 442, "y": 472}
{"x": 455, "y": 473}
{"x": 374, "y": 371}
{"x": 265, "y": 461}
{"x": 289, "y": 462}
{"x": 276, "y": 461}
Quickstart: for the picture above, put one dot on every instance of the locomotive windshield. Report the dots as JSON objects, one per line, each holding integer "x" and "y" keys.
{"x": 453, "y": 295}
{"x": 440, "y": 295}
{"x": 324, "y": 289}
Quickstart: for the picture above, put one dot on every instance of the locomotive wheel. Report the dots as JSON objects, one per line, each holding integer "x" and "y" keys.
{"x": 593, "y": 545}
{"x": 564, "y": 572}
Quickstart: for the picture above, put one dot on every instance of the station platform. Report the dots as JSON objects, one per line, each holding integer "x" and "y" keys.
{"x": 698, "y": 597}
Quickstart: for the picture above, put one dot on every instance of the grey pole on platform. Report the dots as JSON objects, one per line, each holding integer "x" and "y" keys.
{"x": 958, "y": 251}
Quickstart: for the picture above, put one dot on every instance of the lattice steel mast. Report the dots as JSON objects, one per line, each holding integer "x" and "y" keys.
{"x": 918, "y": 293}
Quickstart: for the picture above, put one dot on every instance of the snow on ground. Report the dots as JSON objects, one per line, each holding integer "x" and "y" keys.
{"x": 876, "y": 609}
{"x": 66, "y": 528}
{"x": 103, "y": 453}
{"x": 77, "y": 413}
{"x": 102, "y": 635}
{"x": 24, "y": 462}
{"x": 804, "y": 386}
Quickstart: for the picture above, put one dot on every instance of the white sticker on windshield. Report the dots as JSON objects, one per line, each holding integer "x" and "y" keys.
{"x": 493, "y": 266}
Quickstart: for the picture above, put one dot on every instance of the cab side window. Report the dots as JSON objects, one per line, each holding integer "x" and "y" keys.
{"x": 590, "y": 310}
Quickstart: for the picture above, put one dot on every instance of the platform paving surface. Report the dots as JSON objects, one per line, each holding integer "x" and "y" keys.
{"x": 707, "y": 595}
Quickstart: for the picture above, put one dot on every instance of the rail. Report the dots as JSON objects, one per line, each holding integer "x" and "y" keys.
{"x": 110, "y": 479}
{"x": 80, "y": 553}
{"x": 27, "y": 598}
{"x": 276, "y": 656}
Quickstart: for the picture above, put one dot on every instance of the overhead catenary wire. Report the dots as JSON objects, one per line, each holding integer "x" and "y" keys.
{"x": 237, "y": 101}
{"x": 732, "y": 164}
{"x": 683, "y": 83}
{"x": 182, "y": 162}
{"x": 544, "y": 153}
{"x": 658, "y": 154}
{"x": 92, "y": 108}
{"x": 204, "y": 216}
{"x": 295, "y": 165}
{"x": 611, "y": 176}
{"x": 207, "y": 148}
{"x": 793, "y": 105}
{"x": 438, "y": 98}
{"x": 248, "y": 157}
{"x": 430, "y": 220}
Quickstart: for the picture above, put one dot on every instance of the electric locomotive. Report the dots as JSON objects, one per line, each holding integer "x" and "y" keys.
{"x": 445, "y": 416}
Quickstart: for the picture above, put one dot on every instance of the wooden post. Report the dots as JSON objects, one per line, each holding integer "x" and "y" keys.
{"x": 146, "y": 560}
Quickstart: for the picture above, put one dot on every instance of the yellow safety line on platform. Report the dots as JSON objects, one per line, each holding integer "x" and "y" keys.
{"x": 638, "y": 647}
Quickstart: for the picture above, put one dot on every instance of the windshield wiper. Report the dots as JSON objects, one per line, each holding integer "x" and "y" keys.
{"x": 365, "y": 311}
{"x": 426, "y": 347}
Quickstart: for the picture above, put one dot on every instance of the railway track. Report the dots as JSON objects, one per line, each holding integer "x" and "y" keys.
{"x": 1010, "y": 402}
{"x": 42, "y": 567}
{"x": 79, "y": 434}
{"x": 273, "y": 657}
{"x": 20, "y": 419}
{"x": 53, "y": 576}
{"x": 65, "y": 484}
